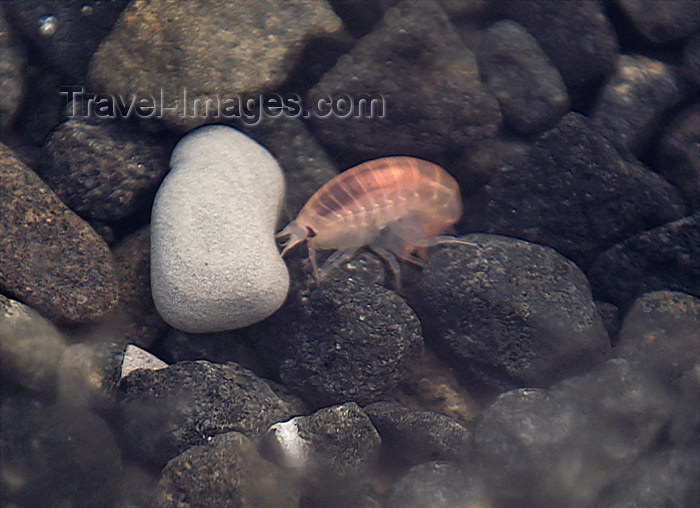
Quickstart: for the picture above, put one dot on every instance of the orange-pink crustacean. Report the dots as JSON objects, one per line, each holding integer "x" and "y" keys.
{"x": 394, "y": 205}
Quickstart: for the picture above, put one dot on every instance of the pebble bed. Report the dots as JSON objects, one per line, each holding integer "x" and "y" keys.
{"x": 156, "y": 351}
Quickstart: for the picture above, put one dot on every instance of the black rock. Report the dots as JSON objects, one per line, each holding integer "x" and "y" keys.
{"x": 666, "y": 257}
{"x": 691, "y": 60}
{"x": 66, "y": 33}
{"x": 411, "y": 436}
{"x": 660, "y": 332}
{"x": 663, "y": 22}
{"x": 56, "y": 456}
{"x": 610, "y": 315}
{"x": 13, "y": 58}
{"x": 227, "y": 471}
{"x": 573, "y": 192}
{"x": 529, "y": 88}
{"x": 633, "y": 101}
{"x": 350, "y": 341}
{"x": 566, "y": 445}
{"x": 433, "y": 99}
{"x": 439, "y": 485}
{"x": 165, "y": 411}
{"x": 678, "y": 156}
{"x": 510, "y": 313}
{"x": 577, "y": 36}
{"x": 103, "y": 171}
{"x": 51, "y": 259}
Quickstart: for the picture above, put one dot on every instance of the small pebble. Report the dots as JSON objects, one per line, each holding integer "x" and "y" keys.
{"x": 137, "y": 358}
{"x": 215, "y": 265}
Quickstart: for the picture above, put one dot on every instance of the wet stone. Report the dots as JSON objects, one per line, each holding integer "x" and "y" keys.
{"x": 529, "y": 88}
{"x": 439, "y": 485}
{"x": 691, "y": 60}
{"x": 678, "y": 157}
{"x": 633, "y": 100}
{"x": 610, "y": 315}
{"x": 600, "y": 198}
{"x": 227, "y": 471}
{"x": 350, "y": 341}
{"x": 601, "y": 422}
{"x": 663, "y": 22}
{"x": 263, "y": 41}
{"x": 30, "y": 347}
{"x": 666, "y": 257}
{"x": 166, "y": 411}
{"x": 56, "y": 456}
{"x": 412, "y": 436}
{"x": 137, "y": 358}
{"x": 661, "y": 332}
{"x": 52, "y": 260}
{"x": 103, "y": 171}
{"x": 577, "y": 36}
{"x": 429, "y": 81}
{"x": 685, "y": 429}
{"x": 12, "y": 61}
{"x": 510, "y": 313}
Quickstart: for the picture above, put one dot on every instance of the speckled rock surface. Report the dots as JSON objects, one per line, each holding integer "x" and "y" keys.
{"x": 600, "y": 198}
{"x": 30, "y": 347}
{"x": 633, "y": 98}
{"x": 165, "y": 411}
{"x": 227, "y": 471}
{"x": 263, "y": 41}
{"x": 416, "y": 61}
{"x": 103, "y": 171}
{"x": 510, "y": 313}
{"x": 666, "y": 257}
{"x": 350, "y": 342}
{"x": 51, "y": 260}
{"x": 414, "y": 436}
{"x": 214, "y": 262}
{"x": 529, "y": 88}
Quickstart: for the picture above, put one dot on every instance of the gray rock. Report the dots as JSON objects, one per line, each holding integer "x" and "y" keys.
{"x": 529, "y": 88}
{"x": 663, "y": 22}
{"x": 263, "y": 42}
{"x": 439, "y": 485}
{"x": 30, "y": 347}
{"x": 429, "y": 81}
{"x": 350, "y": 341}
{"x": 566, "y": 445}
{"x": 103, "y": 171}
{"x": 12, "y": 61}
{"x": 661, "y": 333}
{"x": 52, "y": 260}
{"x": 165, "y": 411}
{"x": 633, "y": 100}
{"x": 678, "y": 156}
{"x": 691, "y": 60}
{"x": 56, "y": 456}
{"x": 610, "y": 315}
{"x": 666, "y": 257}
{"x": 573, "y": 192}
{"x": 510, "y": 312}
{"x": 412, "y": 436}
{"x": 137, "y": 358}
{"x": 685, "y": 429}
{"x": 227, "y": 471}
{"x": 577, "y": 36}
{"x": 214, "y": 262}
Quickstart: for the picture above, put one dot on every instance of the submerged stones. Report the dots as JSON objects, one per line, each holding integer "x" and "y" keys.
{"x": 214, "y": 261}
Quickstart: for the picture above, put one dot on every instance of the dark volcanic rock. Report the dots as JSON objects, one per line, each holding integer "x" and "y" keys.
{"x": 678, "y": 157}
{"x": 103, "y": 171}
{"x": 413, "y": 436}
{"x": 577, "y": 36}
{"x": 633, "y": 100}
{"x": 352, "y": 341}
{"x": 661, "y": 333}
{"x": 429, "y": 81}
{"x": 573, "y": 192}
{"x": 565, "y": 445}
{"x": 666, "y": 257}
{"x": 166, "y": 411}
{"x": 529, "y": 88}
{"x": 56, "y": 456}
{"x": 51, "y": 259}
{"x": 661, "y": 22}
{"x": 66, "y": 33}
{"x": 227, "y": 471}
{"x": 509, "y": 312}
